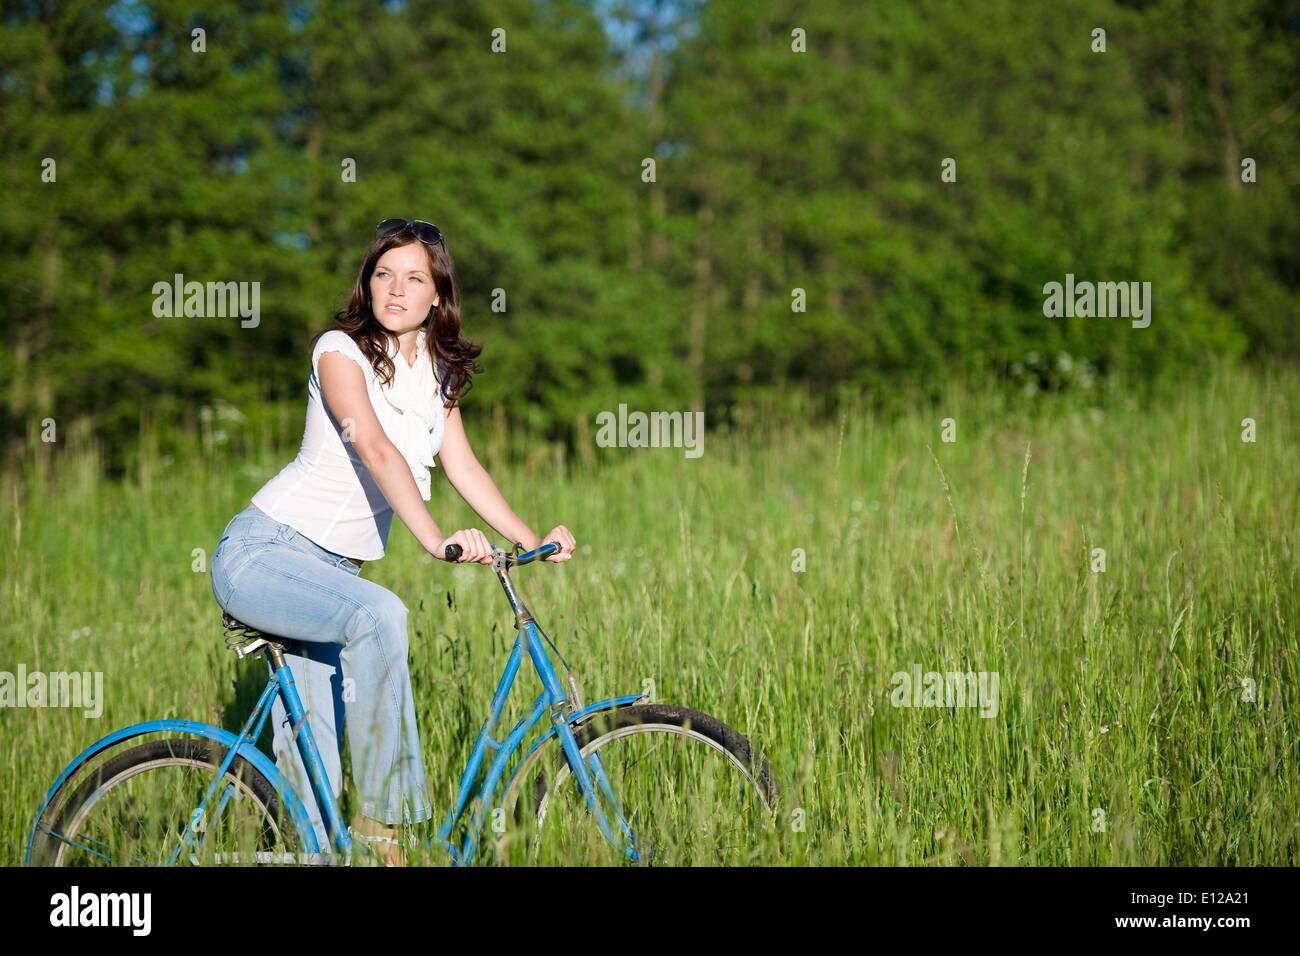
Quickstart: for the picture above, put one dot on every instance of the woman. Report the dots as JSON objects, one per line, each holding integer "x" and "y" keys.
{"x": 382, "y": 400}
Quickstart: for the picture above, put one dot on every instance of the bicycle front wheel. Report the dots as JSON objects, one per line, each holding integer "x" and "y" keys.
{"x": 691, "y": 791}
{"x": 137, "y": 809}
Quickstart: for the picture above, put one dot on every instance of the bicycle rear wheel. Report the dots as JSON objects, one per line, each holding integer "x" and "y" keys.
{"x": 135, "y": 808}
{"x": 691, "y": 789}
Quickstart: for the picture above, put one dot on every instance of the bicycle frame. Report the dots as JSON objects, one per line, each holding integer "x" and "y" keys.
{"x": 566, "y": 714}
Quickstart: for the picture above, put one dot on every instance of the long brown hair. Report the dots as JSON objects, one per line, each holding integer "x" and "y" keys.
{"x": 450, "y": 352}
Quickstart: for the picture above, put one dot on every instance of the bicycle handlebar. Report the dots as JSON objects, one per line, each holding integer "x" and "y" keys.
{"x": 452, "y": 553}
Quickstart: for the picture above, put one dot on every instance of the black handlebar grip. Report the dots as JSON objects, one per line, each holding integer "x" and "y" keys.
{"x": 452, "y": 553}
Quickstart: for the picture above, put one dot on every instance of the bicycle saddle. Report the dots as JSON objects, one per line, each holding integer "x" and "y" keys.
{"x": 245, "y": 640}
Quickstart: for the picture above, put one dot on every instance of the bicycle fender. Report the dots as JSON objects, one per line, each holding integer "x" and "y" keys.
{"x": 259, "y": 760}
{"x": 573, "y": 720}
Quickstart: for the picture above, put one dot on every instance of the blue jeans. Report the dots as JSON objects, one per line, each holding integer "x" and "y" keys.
{"x": 347, "y": 649}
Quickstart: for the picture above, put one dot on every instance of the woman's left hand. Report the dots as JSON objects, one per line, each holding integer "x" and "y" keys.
{"x": 561, "y": 536}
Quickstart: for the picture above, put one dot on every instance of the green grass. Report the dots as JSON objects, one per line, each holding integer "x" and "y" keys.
{"x": 1121, "y": 692}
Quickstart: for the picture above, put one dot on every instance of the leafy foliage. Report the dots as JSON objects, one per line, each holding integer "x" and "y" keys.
{"x": 775, "y": 171}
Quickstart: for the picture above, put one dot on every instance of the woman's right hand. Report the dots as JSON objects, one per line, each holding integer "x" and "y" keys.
{"x": 474, "y": 545}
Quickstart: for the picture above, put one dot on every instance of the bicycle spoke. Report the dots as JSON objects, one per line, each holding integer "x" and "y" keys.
{"x": 684, "y": 799}
{"x": 79, "y": 844}
{"x": 143, "y": 807}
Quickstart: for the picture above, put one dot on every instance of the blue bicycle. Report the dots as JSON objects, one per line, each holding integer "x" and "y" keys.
{"x": 664, "y": 784}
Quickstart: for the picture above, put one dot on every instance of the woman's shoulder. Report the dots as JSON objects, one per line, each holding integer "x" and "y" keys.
{"x": 336, "y": 340}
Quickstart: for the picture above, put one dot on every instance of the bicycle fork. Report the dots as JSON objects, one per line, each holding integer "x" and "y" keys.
{"x": 560, "y": 708}
{"x": 590, "y": 773}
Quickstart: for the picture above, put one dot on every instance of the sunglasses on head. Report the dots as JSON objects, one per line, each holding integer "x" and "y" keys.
{"x": 424, "y": 231}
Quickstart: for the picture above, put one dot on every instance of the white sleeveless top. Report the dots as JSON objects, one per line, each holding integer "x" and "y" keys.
{"x": 326, "y": 493}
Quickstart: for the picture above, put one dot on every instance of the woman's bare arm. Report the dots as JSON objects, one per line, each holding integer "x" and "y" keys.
{"x": 473, "y": 483}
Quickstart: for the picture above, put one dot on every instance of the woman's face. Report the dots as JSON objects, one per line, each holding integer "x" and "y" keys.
{"x": 401, "y": 288}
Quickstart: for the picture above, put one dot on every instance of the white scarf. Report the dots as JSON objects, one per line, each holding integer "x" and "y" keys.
{"x": 413, "y": 393}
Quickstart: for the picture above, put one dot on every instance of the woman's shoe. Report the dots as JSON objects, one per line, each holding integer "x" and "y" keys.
{"x": 381, "y": 839}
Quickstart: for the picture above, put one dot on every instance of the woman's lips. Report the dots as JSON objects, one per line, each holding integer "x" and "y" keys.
{"x": 393, "y": 308}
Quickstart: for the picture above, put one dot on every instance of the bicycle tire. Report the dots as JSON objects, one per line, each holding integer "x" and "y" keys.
{"x": 69, "y": 815}
{"x": 605, "y": 727}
